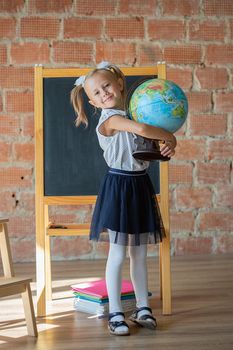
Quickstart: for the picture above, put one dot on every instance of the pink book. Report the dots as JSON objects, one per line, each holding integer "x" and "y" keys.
{"x": 98, "y": 288}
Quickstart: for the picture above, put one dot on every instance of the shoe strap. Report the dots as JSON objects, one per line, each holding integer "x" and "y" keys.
{"x": 113, "y": 314}
{"x": 144, "y": 308}
{"x": 115, "y": 324}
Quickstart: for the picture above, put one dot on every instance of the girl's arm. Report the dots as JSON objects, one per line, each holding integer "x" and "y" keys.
{"x": 119, "y": 123}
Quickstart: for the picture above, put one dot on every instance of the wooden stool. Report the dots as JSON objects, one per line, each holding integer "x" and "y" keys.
{"x": 10, "y": 285}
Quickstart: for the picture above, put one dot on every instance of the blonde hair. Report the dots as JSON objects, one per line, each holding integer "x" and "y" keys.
{"x": 76, "y": 96}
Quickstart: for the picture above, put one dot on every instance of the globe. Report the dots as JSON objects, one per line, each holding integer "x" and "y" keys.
{"x": 160, "y": 103}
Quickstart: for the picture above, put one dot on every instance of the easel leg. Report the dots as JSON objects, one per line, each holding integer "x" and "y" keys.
{"x": 40, "y": 260}
{"x": 48, "y": 277}
{"x": 166, "y": 276}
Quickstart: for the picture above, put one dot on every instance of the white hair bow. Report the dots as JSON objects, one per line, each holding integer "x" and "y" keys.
{"x": 103, "y": 64}
{"x": 81, "y": 80}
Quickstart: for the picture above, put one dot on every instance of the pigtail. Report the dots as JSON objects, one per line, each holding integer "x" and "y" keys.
{"x": 76, "y": 99}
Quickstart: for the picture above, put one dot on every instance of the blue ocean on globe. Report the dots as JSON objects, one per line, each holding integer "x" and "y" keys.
{"x": 160, "y": 103}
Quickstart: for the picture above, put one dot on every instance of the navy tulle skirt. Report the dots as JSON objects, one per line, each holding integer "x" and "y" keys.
{"x": 127, "y": 205}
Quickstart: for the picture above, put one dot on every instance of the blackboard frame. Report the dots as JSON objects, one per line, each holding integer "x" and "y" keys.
{"x": 43, "y": 227}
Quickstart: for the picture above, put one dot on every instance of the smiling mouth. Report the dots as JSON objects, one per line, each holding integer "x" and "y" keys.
{"x": 107, "y": 99}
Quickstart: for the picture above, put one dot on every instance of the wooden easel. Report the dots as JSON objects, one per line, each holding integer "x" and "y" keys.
{"x": 43, "y": 229}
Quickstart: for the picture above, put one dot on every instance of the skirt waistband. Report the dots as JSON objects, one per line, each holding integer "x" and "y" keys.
{"x": 126, "y": 172}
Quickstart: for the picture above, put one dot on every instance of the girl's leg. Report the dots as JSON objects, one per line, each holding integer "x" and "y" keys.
{"x": 138, "y": 273}
{"x": 116, "y": 257}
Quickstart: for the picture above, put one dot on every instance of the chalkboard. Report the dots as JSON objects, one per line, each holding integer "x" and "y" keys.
{"x": 73, "y": 160}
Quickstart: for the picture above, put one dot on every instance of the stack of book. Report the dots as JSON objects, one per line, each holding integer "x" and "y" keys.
{"x": 92, "y": 297}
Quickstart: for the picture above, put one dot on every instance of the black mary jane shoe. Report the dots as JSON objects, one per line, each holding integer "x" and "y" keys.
{"x": 147, "y": 320}
{"x": 113, "y": 325}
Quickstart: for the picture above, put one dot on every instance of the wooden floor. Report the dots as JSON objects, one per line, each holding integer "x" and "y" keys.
{"x": 202, "y": 310}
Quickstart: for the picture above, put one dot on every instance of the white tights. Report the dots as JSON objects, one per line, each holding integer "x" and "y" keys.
{"x": 138, "y": 273}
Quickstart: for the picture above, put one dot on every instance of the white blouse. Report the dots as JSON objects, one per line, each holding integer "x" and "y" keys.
{"x": 119, "y": 147}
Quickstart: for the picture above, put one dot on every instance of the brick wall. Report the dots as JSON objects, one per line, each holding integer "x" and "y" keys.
{"x": 194, "y": 37}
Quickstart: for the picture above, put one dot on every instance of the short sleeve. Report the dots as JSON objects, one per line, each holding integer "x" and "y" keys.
{"x": 108, "y": 113}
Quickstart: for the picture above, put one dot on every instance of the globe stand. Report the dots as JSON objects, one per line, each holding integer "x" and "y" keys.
{"x": 149, "y": 150}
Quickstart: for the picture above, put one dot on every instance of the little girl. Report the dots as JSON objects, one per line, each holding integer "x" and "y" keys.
{"x": 126, "y": 206}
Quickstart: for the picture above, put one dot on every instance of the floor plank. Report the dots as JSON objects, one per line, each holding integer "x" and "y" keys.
{"x": 202, "y": 315}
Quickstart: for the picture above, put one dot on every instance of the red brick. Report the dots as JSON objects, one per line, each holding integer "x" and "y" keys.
{"x": 83, "y": 27}
{"x": 224, "y": 244}
{"x": 28, "y": 126}
{"x": 136, "y": 7}
{"x": 208, "y": 125}
{"x": 24, "y": 151}
{"x": 13, "y": 77}
{"x": 125, "y": 28}
{"x": 212, "y": 78}
{"x": 23, "y": 250}
{"x": 102, "y": 249}
{"x": 220, "y": 149}
{"x": 231, "y": 29}
{"x": 186, "y": 54}
{"x": 7, "y": 202}
{"x": 5, "y": 150}
{"x": 166, "y": 29}
{"x": 199, "y": 101}
{"x": 7, "y": 28}
{"x": 181, "y": 131}
{"x": 206, "y": 30}
{"x": 180, "y": 173}
{"x": 182, "y": 221}
{"x": 97, "y": 7}
{"x": 218, "y": 8}
{"x": 71, "y": 247}
{"x": 44, "y": 6}
{"x": 62, "y": 218}
{"x": 224, "y": 196}
{"x": 30, "y": 53}
{"x": 216, "y": 220}
{"x": 149, "y": 54}
{"x": 231, "y": 123}
{"x": 26, "y": 201}
{"x": 20, "y": 101}
{"x": 15, "y": 177}
{"x": 180, "y": 7}
{"x": 3, "y": 54}
{"x": 213, "y": 173}
{"x": 22, "y": 226}
{"x": 9, "y": 125}
{"x": 76, "y": 208}
{"x": 11, "y": 6}
{"x": 190, "y": 150}
{"x": 224, "y": 102}
{"x": 182, "y": 77}
{"x": 193, "y": 245}
{"x": 117, "y": 52}
{"x": 72, "y": 52}
{"x": 221, "y": 54}
{"x": 1, "y": 104}
{"x": 172, "y": 200}
{"x": 193, "y": 197}
{"x": 37, "y": 27}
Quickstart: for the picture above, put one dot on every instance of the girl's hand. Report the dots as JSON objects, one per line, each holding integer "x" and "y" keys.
{"x": 167, "y": 149}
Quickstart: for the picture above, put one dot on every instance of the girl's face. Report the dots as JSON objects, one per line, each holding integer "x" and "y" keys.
{"x": 104, "y": 91}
